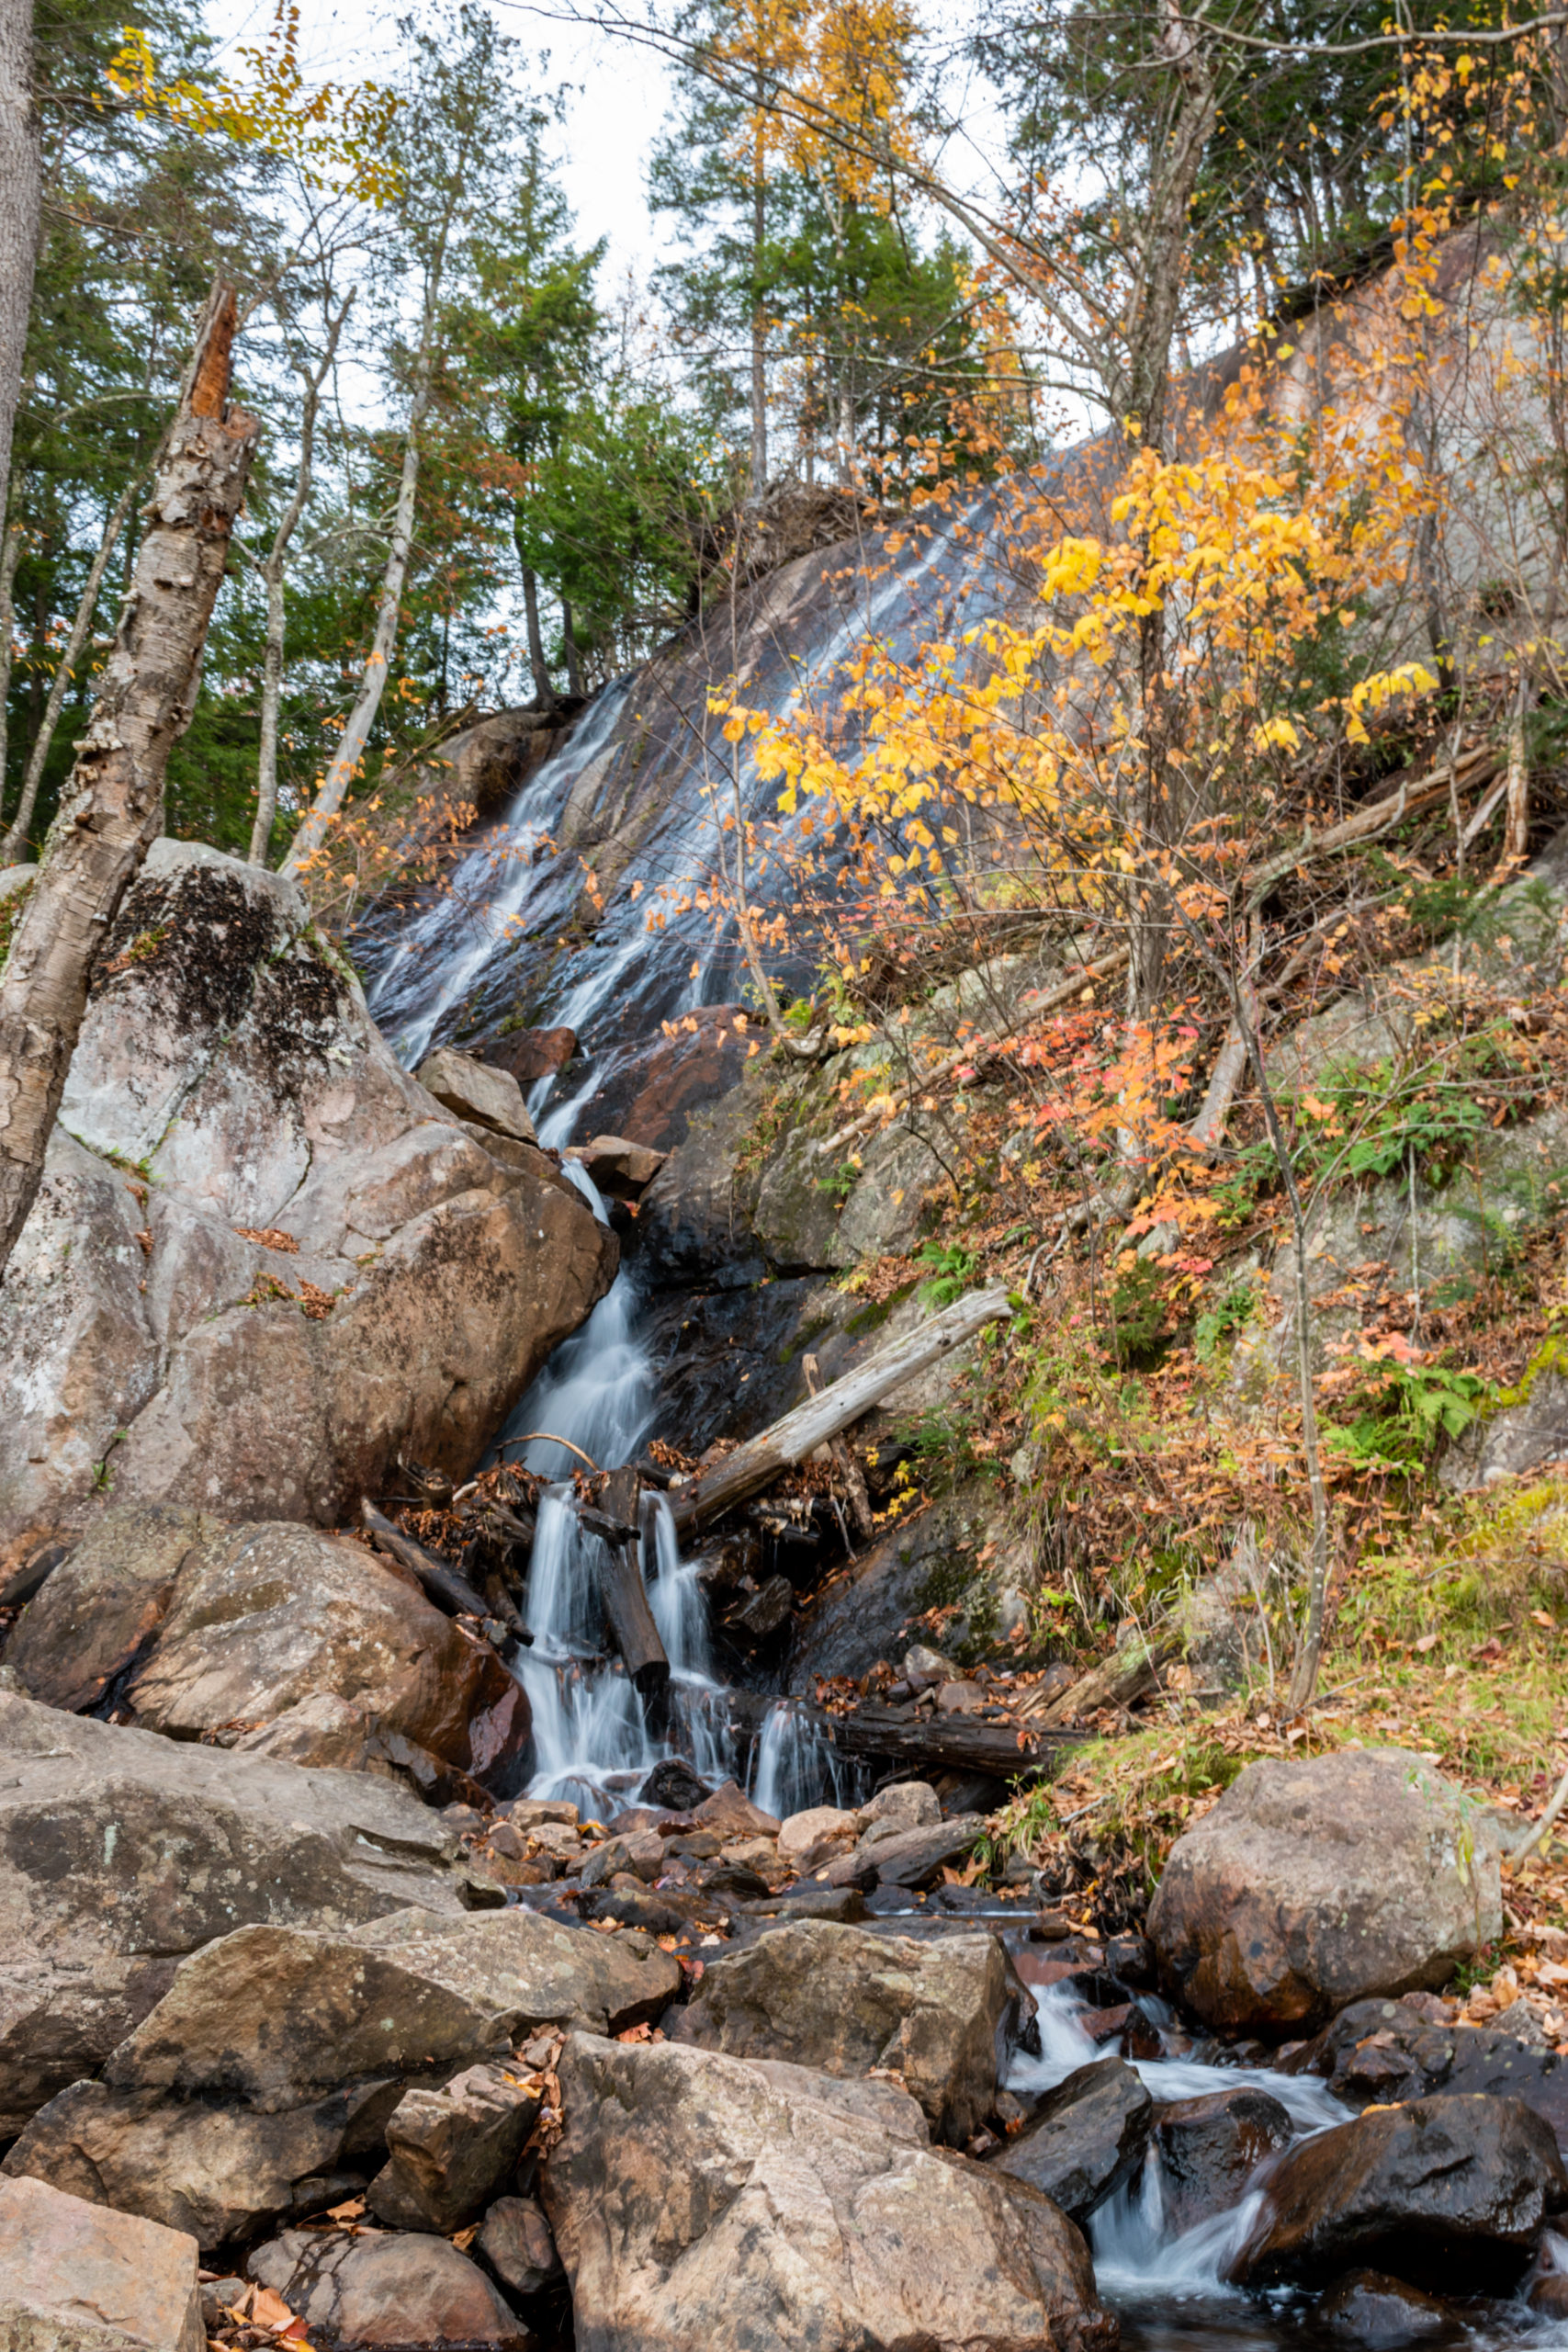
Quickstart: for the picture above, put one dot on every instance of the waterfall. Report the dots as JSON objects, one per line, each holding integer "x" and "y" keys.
{"x": 792, "y": 1765}
{"x": 649, "y": 796}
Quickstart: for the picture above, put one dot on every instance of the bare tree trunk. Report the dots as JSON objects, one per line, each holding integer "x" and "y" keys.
{"x": 21, "y": 181}
{"x": 271, "y": 573}
{"x": 113, "y": 803}
{"x": 14, "y": 848}
{"x": 1517, "y": 830}
{"x": 10, "y": 548}
{"x": 573, "y": 660}
{"x": 759, "y": 320}
{"x": 345, "y": 763}
{"x": 536, "y": 661}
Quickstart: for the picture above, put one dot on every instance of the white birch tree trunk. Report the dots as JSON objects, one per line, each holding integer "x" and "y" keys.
{"x": 113, "y": 804}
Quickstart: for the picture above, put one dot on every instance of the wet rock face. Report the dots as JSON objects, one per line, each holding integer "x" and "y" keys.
{"x": 121, "y": 1851}
{"x": 696, "y": 2201}
{"x": 1378, "y": 2051}
{"x": 1085, "y": 2138}
{"x": 820, "y": 1993}
{"x": 1209, "y": 2148}
{"x": 1367, "y": 2307}
{"x": 229, "y": 1084}
{"x": 210, "y": 1630}
{"x": 1440, "y": 2189}
{"x": 1314, "y": 1884}
{"x": 371, "y": 2288}
{"x": 75, "y": 2278}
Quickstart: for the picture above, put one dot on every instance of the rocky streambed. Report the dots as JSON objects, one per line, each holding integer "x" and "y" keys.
{"x": 288, "y": 2055}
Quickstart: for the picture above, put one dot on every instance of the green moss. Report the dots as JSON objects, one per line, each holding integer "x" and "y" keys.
{"x": 10, "y": 910}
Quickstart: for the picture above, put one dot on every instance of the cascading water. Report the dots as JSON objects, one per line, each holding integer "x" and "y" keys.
{"x": 794, "y": 1766}
{"x": 513, "y": 926}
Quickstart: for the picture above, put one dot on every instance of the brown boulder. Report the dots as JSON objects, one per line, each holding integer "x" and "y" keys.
{"x": 102, "y": 1608}
{"x": 842, "y": 1998}
{"x": 618, "y": 1166}
{"x": 476, "y": 1091}
{"x": 264, "y": 1618}
{"x": 532, "y": 1054}
{"x": 729, "y": 1812}
{"x": 1312, "y": 1885}
{"x": 1382, "y": 2051}
{"x": 1442, "y": 2189}
{"x": 365, "y": 2286}
{"x": 77, "y": 2279}
{"x": 696, "y": 2203}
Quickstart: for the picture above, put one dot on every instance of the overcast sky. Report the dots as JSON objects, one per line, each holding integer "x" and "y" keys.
{"x": 619, "y": 100}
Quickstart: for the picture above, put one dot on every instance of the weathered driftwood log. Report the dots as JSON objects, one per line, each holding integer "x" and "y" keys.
{"x": 621, "y": 1587}
{"x": 932, "y": 1743}
{"x": 443, "y": 1584}
{"x": 753, "y": 1467}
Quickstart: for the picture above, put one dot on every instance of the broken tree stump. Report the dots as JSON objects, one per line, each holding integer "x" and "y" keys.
{"x": 614, "y": 1519}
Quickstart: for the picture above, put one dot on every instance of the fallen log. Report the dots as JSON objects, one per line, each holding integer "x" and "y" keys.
{"x": 621, "y": 1587}
{"x": 932, "y": 1743}
{"x": 755, "y": 1465}
{"x": 442, "y": 1583}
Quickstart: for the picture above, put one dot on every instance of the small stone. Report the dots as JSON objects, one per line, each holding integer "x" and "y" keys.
{"x": 449, "y": 2150}
{"x": 477, "y": 1090}
{"x": 366, "y": 2287}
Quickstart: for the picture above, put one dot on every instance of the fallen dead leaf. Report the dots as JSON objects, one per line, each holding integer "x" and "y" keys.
{"x": 269, "y": 2311}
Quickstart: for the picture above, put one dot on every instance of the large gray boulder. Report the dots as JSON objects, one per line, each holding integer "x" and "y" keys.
{"x": 282, "y": 2016}
{"x": 696, "y": 2203}
{"x": 215, "y": 2170}
{"x": 1312, "y": 1885}
{"x": 218, "y": 1632}
{"x": 74, "y": 2278}
{"x": 121, "y": 1851}
{"x": 263, "y": 1258}
{"x": 278, "y": 2057}
{"x": 819, "y": 1993}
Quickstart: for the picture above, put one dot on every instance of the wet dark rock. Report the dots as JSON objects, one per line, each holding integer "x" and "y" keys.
{"x": 1436, "y": 2190}
{"x": 846, "y": 2000}
{"x": 663, "y": 1912}
{"x": 845, "y": 1904}
{"x": 516, "y": 2243}
{"x": 1131, "y": 1959}
{"x": 451, "y": 2148}
{"x": 673, "y": 1786}
{"x": 1209, "y": 2148}
{"x": 1367, "y": 2307}
{"x": 371, "y": 2288}
{"x": 1380, "y": 2051}
{"x": 1317, "y": 1882}
{"x": 1085, "y": 2138}
{"x": 865, "y": 1616}
{"x": 734, "y": 1880}
{"x": 531, "y": 1054}
{"x": 700, "y": 2200}
{"x": 764, "y": 1616}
